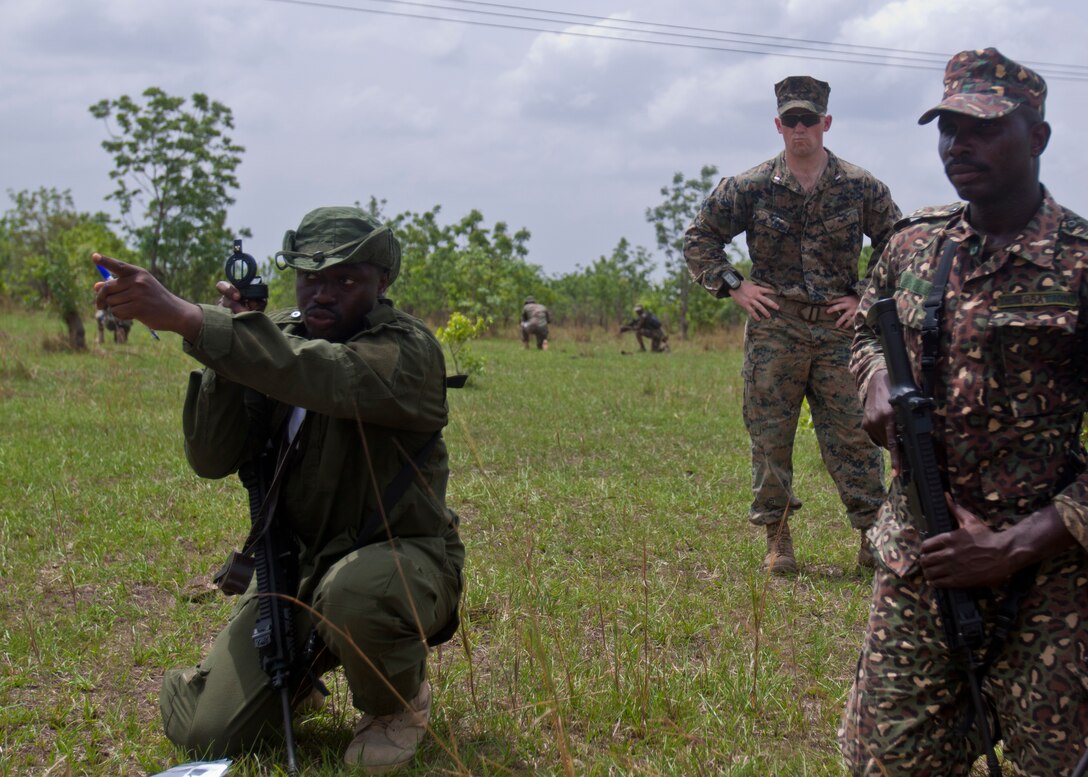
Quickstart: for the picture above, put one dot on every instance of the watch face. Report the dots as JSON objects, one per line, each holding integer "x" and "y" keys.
{"x": 731, "y": 279}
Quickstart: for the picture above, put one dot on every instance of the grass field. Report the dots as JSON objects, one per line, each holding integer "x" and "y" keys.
{"x": 615, "y": 618}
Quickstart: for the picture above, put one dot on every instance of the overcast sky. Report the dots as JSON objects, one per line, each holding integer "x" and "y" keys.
{"x": 569, "y": 136}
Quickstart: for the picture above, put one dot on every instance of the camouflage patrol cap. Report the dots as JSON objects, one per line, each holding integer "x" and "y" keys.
{"x": 802, "y": 92}
{"x": 340, "y": 235}
{"x": 986, "y": 84}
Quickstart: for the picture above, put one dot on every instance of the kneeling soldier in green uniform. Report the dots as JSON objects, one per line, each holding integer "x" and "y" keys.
{"x": 358, "y": 388}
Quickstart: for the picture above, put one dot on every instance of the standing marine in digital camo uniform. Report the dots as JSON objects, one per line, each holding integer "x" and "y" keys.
{"x": 534, "y": 321}
{"x": 646, "y": 324}
{"x": 1009, "y": 379}
{"x": 804, "y": 213}
{"x": 358, "y": 390}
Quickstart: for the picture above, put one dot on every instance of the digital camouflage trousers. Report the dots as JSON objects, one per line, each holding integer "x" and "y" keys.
{"x": 787, "y": 360}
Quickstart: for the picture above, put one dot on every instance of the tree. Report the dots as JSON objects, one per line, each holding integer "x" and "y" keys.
{"x": 489, "y": 269}
{"x": 670, "y": 219}
{"x": 46, "y": 252}
{"x": 71, "y": 273}
{"x": 35, "y": 219}
{"x": 605, "y": 292}
{"x": 425, "y": 264}
{"x": 864, "y": 260}
{"x": 174, "y": 168}
{"x": 464, "y": 267}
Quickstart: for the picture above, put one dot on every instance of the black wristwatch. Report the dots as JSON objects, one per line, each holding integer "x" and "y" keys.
{"x": 732, "y": 279}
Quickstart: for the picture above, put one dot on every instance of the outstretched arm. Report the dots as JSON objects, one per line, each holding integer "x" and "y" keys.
{"x": 135, "y": 293}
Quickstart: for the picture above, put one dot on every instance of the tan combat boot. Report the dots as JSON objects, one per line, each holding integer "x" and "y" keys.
{"x": 779, "y": 560}
{"x": 383, "y": 743}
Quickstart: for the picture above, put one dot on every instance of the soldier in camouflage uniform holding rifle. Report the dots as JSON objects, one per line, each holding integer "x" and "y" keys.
{"x": 804, "y": 213}
{"x": 1009, "y": 380}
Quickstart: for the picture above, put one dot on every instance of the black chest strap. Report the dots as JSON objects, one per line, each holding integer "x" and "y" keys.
{"x": 931, "y": 324}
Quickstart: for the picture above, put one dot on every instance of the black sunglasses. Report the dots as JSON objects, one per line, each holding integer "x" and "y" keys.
{"x": 808, "y": 119}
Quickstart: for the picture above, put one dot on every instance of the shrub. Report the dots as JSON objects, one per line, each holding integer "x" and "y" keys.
{"x": 457, "y": 336}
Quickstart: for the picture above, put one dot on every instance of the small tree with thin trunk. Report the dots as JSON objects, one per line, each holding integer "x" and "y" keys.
{"x": 174, "y": 168}
{"x": 46, "y": 253}
{"x": 671, "y": 219}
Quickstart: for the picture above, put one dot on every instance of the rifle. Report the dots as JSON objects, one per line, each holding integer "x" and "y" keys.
{"x": 921, "y": 478}
{"x": 270, "y": 550}
{"x": 275, "y": 561}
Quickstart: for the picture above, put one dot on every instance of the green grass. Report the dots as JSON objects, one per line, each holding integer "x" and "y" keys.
{"x": 615, "y": 618}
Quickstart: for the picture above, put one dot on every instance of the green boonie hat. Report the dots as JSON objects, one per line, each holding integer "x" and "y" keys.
{"x": 986, "y": 84}
{"x": 340, "y": 235}
{"x": 802, "y": 92}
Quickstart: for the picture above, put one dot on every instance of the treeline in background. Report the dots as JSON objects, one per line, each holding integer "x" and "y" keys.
{"x": 174, "y": 164}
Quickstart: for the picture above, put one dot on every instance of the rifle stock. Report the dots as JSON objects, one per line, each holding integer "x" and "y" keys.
{"x": 921, "y": 478}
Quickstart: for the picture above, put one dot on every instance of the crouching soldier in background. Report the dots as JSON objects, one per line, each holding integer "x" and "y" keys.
{"x": 355, "y": 391}
{"x": 646, "y": 324}
{"x": 534, "y": 321}
{"x": 119, "y": 326}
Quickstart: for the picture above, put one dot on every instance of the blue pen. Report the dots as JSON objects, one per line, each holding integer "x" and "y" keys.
{"x": 106, "y": 275}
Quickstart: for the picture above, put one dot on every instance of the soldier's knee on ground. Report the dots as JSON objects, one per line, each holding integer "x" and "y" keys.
{"x": 217, "y": 724}
{"x": 179, "y": 702}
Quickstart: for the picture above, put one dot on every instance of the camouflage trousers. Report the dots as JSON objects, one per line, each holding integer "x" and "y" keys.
{"x": 538, "y": 330}
{"x": 904, "y": 712}
{"x": 786, "y": 360}
{"x": 657, "y": 337}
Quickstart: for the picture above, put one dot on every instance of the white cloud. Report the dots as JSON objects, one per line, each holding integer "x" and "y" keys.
{"x": 570, "y": 136}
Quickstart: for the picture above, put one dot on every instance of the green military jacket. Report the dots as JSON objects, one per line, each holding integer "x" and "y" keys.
{"x": 385, "y": 385}
{"x": 1011, "y": 387}
{"x": 804, "y": 246}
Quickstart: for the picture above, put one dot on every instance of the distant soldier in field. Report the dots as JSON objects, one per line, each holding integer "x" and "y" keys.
{"x": 646, "y": 324}
{"x": 804, "y": 213}
{"x": 534, "y": 321}
{"x": 119, "y": 326}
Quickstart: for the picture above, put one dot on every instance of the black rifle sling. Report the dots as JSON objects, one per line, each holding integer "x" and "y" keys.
{"x": 931, "y": 335}
{"x": 263, "y": 488}
{"x": 1022, "y": 580}
{"x": 392, "y": 494}
{"x": 394, "y": 490}
{"x": 1005, "y": 620}
{"x": 267, "y": 509}
{"x": 931, "y": 324}
{"x": 375, "y": 519}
